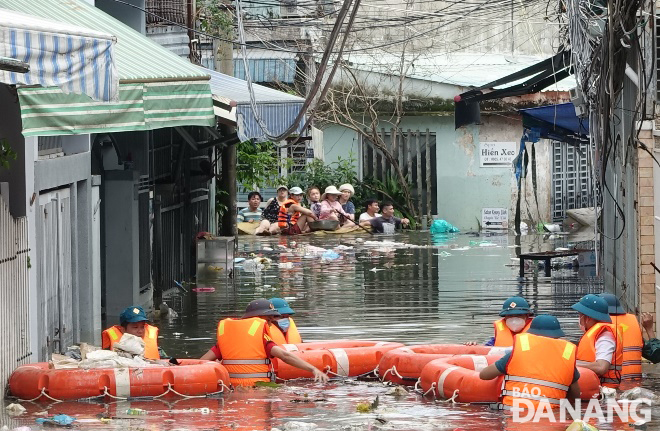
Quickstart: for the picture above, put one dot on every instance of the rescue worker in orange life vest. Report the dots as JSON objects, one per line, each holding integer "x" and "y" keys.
{"x": 516, "y": 318}
{"x": 631, "y": 333}
{"x": 539, "y": 366}
{"x": 133, "y": 320}
{"x": 601, "y": 347}
{"x": 245, "y": 347}
{"x": 284, "y": 331}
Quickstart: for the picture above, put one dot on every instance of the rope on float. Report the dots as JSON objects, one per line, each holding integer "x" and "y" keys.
{"x": 431, "y": 389}
{"x": 392, "y": 371}
{"x": 41, "y": 394}
{"x": 417, "y": 384}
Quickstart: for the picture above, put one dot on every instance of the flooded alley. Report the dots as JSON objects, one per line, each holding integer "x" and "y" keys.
{"x": 444, "y": 289}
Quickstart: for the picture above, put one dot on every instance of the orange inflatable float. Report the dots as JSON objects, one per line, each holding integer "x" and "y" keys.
{"x": 457, "y": 377}
{"x": 346, "y": 358}
{"x": 404, "y": 365}
{"x": 192, "y": 377}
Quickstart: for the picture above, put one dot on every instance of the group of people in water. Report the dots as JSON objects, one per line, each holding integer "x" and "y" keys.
{"x": 537, "y": 364}
{"x": 286, "y": 213}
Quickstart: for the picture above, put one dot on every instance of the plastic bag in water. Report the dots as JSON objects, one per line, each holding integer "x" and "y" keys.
{"x": 443, "y": 226}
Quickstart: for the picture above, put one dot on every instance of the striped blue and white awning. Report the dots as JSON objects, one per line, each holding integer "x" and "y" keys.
{"x": 75, "y": 59}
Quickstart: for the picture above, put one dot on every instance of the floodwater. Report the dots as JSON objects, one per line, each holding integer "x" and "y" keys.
{"x": 448, "y": 290}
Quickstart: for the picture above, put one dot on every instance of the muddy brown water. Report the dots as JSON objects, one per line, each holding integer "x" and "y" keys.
{"x": 448, "y": 290}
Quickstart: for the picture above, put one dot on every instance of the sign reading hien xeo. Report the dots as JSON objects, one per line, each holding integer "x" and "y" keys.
{"x": 497, "y": 154}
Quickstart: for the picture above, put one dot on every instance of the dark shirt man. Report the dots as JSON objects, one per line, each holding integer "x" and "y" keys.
{"x": 387, "y": 223}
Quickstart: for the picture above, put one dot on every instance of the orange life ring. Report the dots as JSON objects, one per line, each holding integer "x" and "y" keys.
{"x": 192, "y": 377}
{"x": 404, "y": 365}
{"x": 348, "y": 358}
{"x": 457, "y": 377}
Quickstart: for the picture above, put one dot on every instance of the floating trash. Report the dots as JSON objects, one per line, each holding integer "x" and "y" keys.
{"x": 15, "y": 409}
{"x": 60, "y": 420}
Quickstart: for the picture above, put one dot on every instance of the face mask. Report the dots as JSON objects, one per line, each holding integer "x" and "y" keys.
{"x": 284, "y": 324}
{"x": 582, "y": 325}
{"x": 515, "y": 324}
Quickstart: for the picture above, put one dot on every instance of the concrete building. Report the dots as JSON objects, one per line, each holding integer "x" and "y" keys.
{"x": 459, "y": 178}
{"x": 79, "y": 178}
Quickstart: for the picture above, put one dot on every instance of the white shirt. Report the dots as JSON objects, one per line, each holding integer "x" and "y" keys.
{"x": 605, "y": 346}
{"x": 366, "y": 217}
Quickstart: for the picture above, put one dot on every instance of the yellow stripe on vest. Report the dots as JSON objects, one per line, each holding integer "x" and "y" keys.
{"x": 221, "y": 328}
{"x": 113, "y": 334}
{"x": 624, "y": 327}
{"x": 524, "y": 342}
{"x": 500, "y": 326}
{"x": 568, "y": 351}
{"x": 254, "y": 327}
{"x": 151, "y": 331}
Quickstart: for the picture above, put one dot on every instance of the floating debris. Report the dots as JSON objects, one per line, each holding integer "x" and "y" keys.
{"x": 367, "y": 407}
{"x": 581, "y": 426}
{"x": 300, "y": 426}
{"x": 267, "y": 385}
{"x": 15, "y": 409}
{"x": 60, "y": 420}
{"x": 398, "y": 391}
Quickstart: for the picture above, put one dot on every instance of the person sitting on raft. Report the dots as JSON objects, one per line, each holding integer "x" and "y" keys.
{"x": 601, "y": 347}
{"x": 293, "y": 218}
{"x": 251, "y": 214}
{"x": 268, "y": 225}
{"x": 347, "y": 191}
{"x": 540, "y": 366}
{"x": 516, "y": 318}
{"x": 245, "y": 347}
{"x": 133, "y": 320}
{"x": 631, "y": 333}
{"x": 331, "y": 209}
{"x": 284, "y": 331}
{"x": 314, "y": 199}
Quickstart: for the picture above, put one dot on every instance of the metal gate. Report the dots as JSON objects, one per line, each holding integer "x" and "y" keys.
{"x": 572, "y": 185}
{"x": 416, "y": 153}
{"x": 14, "y": 312}
{"x": 54, "y": 273}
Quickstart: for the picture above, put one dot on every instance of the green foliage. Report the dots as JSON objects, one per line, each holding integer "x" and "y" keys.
{"x": 391, "y": 190}
{"x": 214, "y": 18}
{"x": 257, "y": 165}
{"x": 6, "y": 154}
{"x": 318, "y": 174}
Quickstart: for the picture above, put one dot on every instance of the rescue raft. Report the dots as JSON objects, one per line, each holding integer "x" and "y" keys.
{"x": 245, "y": 228}
{"x": 193, "y": 377}
{"x": 345, "y": 358}
{"x": 457, "y": 378}
{"x": 404, "y": 365}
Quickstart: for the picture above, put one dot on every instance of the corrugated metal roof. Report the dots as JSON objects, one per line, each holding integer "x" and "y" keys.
{"x": 138, "y": 59}
{"x": 277, "y": 109}
{"x": 236, "y": 90}
{"x": 460, "y": 69}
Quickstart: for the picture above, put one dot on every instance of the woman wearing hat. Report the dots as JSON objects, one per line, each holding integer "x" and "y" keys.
{"x": 331, "y": 209}
{"x": 601, "y": 347}
{"x": 540, "y": 365}
{"x": 347, "y": 192}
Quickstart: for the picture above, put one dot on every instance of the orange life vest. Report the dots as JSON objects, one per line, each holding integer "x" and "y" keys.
{"x": 503, "y": 335}
{"x": 539, "y": 368}
{"x": 292, "y": 336}
{"x": 241, "y": 344}
{"x": 587, "y": 352}
{"x": 284, "y": 219}
{"x": 632, "y": 345}
{"x": 113, "y": 334}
